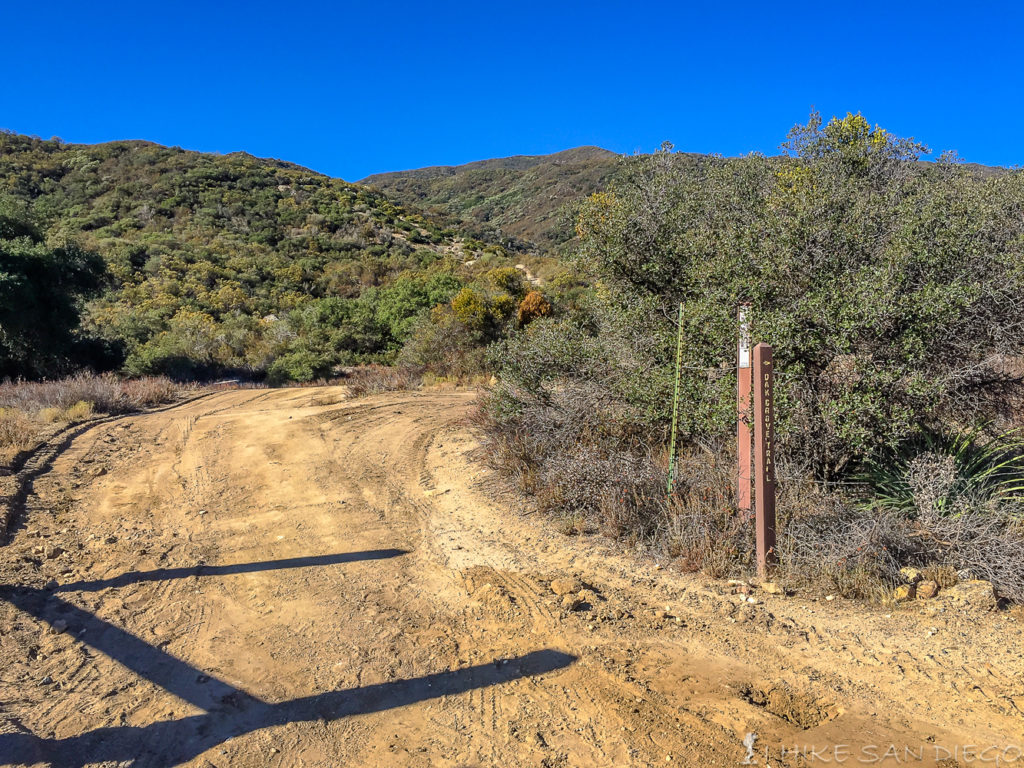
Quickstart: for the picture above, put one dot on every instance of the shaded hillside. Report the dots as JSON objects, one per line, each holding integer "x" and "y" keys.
{"x": 518, "y": 201}
{"x": 220, "y": 262}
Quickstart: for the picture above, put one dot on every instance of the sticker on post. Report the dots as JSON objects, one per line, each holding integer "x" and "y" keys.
{"x": 744, "y": 350}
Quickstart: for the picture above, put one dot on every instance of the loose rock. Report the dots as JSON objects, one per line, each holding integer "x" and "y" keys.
{"x": 571, "y": 603}
{"x": 910, "y": 575}
{"x": 565, "y": 586}
{"x": 772, "y": 588}
{"x": 976, "y": 595}
{"x": 926, "y": 590}
{"x": 904, "y": 592}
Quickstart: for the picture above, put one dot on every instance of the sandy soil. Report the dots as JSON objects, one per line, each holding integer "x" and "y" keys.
{"x": 288, "y": 578}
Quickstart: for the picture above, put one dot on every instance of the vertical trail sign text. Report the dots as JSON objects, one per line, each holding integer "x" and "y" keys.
{"x": 764, "y": 456}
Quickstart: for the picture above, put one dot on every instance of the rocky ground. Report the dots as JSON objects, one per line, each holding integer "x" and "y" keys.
{"x": 287, "y": 577}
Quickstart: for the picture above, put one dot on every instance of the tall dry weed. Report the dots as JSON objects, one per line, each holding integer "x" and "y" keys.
{"x": 18, "y": 432}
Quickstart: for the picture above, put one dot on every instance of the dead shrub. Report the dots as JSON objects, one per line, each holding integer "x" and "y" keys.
{"x": 578, "y": 458}
{"x": 27, "y": 407}
{"x": 18, "y": 432}
{"x": 977, "y": 542}
{"x": 106, "y": 393}
{"x": 374, "y": 379}
{"x": 841, "y": 550}
{"x": 508, "y": 452}
{"x": 702, "y": 527}
{"x": 592, "y": 459}
{"x": 151, "y": 390}
{"x": 532, "y": 306}
{"x": 591, "y": 473}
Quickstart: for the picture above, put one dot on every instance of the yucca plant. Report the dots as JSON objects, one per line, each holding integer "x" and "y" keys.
{"x": 935, "y": 474}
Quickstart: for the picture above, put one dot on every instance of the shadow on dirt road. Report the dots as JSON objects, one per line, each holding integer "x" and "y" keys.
{"x": 239, "y": 713}
{"x": 229, "y": 711}
{"x": 163, "y": 574}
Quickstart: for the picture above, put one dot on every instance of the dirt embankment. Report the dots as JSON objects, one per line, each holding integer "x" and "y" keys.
{"x": 284, "y": 577}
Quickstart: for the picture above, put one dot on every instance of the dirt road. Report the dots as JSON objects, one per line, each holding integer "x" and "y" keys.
{"x": 288, "y": 578}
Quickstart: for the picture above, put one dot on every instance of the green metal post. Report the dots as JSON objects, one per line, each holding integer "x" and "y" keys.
{"x": 675, "y": 405}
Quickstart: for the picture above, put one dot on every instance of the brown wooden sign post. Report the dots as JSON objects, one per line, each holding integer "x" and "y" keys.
{"x": 764, "y": 457}
{"x": 743, "y": 410}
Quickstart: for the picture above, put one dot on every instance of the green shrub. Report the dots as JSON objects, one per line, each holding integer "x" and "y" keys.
{"x": 399, "y": 305}
{"x": 441, "y": 343}
{"x": 886, "y": 287}
{"x": 507, "y": 280}
{"x": 301, "y": 365}
{"x": 470, "y": 308}
{"x": 41, "y": 288}
{"x": 246, "y": 244}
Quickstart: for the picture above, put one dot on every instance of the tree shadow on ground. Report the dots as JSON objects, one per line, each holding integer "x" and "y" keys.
{"x": 165, "y": 574}
{"x": 228, "y": 711}
{"x": 167, "y": 743}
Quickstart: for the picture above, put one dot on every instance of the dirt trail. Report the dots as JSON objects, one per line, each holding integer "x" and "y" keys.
{"x": 284, "y": 577}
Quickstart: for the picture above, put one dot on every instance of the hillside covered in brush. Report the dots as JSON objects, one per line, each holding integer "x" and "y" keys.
{"x": 523, "y": 202}
{"x": 220, "y": 263}
{"x": 528, "y": 203}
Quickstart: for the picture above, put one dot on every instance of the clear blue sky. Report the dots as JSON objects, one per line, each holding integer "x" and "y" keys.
{"x": 355, "y": 88}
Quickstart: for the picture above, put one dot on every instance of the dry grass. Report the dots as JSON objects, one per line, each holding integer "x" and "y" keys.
{"x": 701, "y": 526}
{"x": 437, "y": 382}
{"x": 373, "y": 379}
{"x": 30, "y": 409}
{"x": 80, "y": 411}
{"x": 106, "y": 393}
{"x": 18, "y": 432}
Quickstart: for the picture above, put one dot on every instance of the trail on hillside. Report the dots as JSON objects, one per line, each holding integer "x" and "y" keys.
{"x": 288, "y": 577}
